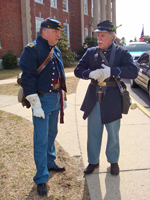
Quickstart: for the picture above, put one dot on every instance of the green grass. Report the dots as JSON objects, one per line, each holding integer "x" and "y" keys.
{"x": 1, "y": 118}
{"x": 9, "y": 73}
{"x": 2, "y": 165}
{"x": 12, "y": 73}
{"x": 14, "y": 117}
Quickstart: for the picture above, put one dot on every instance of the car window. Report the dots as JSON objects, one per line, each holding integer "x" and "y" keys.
{"x": 143, "y": 59}
{"x": 137, "y": 47}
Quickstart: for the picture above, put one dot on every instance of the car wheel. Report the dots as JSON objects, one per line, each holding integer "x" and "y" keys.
{"x": 133, "y": 83}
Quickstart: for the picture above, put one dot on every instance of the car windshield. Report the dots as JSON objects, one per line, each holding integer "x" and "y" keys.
{"x": 137, "y": 47}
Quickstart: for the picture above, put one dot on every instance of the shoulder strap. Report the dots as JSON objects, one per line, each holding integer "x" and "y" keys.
{"x": 95, "y": 58}
{"x": 111, "y": 61}
{"x": 44, "y": 64}
{"x": 112, "y": 56}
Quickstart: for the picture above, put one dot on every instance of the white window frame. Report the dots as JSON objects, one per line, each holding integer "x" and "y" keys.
{"x": 54, "y": 3}
{"x": 66, "y": 31}
{"x": 86, "y": 32}
{"x": 38, "y": 21}
{"x": 39, "y": 1}
{"x": 85, "y": 7}
{"x": 65, "y": 3}
{"x": 92, "y": 8}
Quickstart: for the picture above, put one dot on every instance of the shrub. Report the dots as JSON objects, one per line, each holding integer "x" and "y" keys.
{"x": 67, "y": 55}
{"x": 9, "y": 61}
{"x": 89, "y": 42}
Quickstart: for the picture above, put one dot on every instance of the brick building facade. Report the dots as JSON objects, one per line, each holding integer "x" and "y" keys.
{"x": 20, "y": 21}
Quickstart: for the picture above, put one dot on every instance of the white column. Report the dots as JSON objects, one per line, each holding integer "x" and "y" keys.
{"x": 82, "y": 22}
{"x": 114, "y": 12}
{"x": 26, "y": 22}
{"x": 103, "y": 10}
{"x": 96, "y": 13}
{"x": 109, "y": 10}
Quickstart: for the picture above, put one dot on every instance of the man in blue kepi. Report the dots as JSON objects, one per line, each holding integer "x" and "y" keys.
{"x": 43, "y": 87}
{"x": 102, "y": 103}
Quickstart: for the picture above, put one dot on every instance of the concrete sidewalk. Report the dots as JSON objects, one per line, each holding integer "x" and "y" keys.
{"x": 133, "y": 181}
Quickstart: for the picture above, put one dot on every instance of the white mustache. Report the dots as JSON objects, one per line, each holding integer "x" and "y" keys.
{"x": 100, "y": 42}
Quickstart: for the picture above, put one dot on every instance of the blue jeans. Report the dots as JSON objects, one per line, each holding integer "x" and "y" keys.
{"x": 45, "y": 131}
{"x": 95, "y": 132}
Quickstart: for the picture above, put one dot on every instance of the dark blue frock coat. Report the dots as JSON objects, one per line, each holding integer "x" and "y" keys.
{"x": 32, "y": 57}
{"x": 123, "y": 67}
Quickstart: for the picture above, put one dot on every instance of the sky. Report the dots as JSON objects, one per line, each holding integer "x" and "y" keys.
{"x": 132, "y": 14}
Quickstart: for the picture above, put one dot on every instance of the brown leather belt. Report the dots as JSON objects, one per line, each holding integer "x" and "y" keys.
{"x": 109, "y": 84}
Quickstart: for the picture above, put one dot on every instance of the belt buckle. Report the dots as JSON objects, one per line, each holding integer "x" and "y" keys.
{"x": 102, "y": 84}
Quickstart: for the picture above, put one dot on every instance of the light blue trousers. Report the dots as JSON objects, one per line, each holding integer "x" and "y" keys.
{"x": 45, "y": 131}
{"x": 95, "y": 132}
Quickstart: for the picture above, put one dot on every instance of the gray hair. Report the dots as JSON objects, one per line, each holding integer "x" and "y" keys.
{"x": 41, "y": 29}
{"x": 111, "y": 34}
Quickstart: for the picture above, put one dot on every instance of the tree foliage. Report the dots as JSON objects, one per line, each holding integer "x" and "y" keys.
{"x": 147, "y": 38}
{"x": 67, "y": 55}
{"x": 9, "y": 60}
{"x": 89, "y": 42}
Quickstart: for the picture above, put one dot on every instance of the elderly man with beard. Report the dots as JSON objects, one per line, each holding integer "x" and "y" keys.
{"x": 107, "y": 112}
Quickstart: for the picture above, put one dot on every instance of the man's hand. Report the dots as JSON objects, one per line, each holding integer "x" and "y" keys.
{"x": 36, "y": 105}
{"x": 105, "y": 73}
{"x": 96, "y": 74}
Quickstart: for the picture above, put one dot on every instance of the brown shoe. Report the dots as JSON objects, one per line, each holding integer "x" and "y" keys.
{"x": 90, "y": 168}
{"x": 114, "y": 169}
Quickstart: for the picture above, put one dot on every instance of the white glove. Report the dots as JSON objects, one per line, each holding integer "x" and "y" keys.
{"x": 36, "y": 105}
{"x": 105, "y": 73}
{"x": 64, "y": 100}
{"x": 96, "y": 74}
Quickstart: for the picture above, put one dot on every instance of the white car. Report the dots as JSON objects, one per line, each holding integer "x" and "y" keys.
{"x": 136, "y": 49}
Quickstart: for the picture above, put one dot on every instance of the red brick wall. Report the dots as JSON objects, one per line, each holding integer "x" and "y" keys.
{"x": 11, "y": 23}
{"x": 36, "y": 9}
{"x": 87, "y": 18}
{"x": 10, "y": 27}
{"x": 75, "y": 25}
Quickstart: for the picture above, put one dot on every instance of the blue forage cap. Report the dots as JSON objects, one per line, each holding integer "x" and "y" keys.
{"x": 105, "y": 26}
{"x": 51, "y": 23}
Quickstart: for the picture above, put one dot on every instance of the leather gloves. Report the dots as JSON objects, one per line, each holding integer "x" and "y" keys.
{"x": 36, "y": 105}
{"x": 105, "y": 73}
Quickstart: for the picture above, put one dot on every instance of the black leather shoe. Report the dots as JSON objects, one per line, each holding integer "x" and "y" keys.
{"x": 41, "y": 189}
{"x": 114, "y": 169}
{"x": 57, "y": 169}
{"x": 90, "y": 168}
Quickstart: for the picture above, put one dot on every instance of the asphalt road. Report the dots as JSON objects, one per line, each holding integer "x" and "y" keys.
{"x": 140, "y": 95}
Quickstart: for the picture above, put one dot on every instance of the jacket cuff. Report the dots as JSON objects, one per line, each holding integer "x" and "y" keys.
{"x": 115, "y": 72}
{"x": 85, "y": 74}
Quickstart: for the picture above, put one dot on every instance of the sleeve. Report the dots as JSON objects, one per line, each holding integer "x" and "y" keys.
{"x": 28, "y": 64}
{"x": 125, "y": 66}
{"x": 82, "y": 70}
